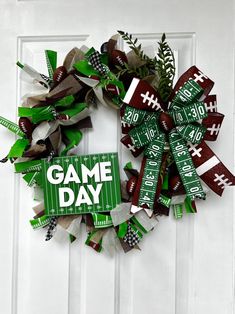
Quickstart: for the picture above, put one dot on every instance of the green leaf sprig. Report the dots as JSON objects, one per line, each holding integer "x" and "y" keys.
{"x": 165, "y": 67}
{"x": 144, "y": 70}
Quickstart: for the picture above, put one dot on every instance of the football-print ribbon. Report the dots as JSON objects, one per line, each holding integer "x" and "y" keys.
{"x": 191, "y": 119}
{"x": 209, "y": 167}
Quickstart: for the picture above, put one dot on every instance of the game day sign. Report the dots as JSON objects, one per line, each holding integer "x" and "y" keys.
{"x": 81, "y": 184}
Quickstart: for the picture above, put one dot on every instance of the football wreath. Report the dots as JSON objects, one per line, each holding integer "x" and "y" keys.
{"x": 167, "y": 125}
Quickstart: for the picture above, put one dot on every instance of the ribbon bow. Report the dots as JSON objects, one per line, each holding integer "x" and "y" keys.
{"x": 181, "y": 127}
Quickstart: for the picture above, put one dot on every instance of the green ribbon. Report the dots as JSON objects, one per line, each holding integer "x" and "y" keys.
{"x": 164, "y": 200}
{"x": 65, "y": 102}
{"x": 185, "y": 166}
{"x": 190, "y": 113}
{"x": 51, "y": 60}
{"x": 89, "y": 241}
{"x": 190, "y": 92}
{"x": 18, "y": 148}
{"x": 155, "y": 148}
{"x": 178, "y": 210}
{"x": 165, "y": 183}
{"x": 33, "y": 178}
{"x": 145, "y": 133}
{"x": 122, "y": 230}
{"x": 28, "y": 166}
{"x": 40, "y": 222}
{"x": 74, "y": 136}
{"x": 149, "y": 183}
{"x": 192, "y": 133}
{"x": 189, "y": 206}
{"x": 48, "y": 113}
{"x": 37, "y": 114}
{"x": 11, "y": 126}
{"x": 86, "y": 68}
{"x": 102, "y": 221}
{"x": 72, "y": 238}
{"x": 134, "y": 116}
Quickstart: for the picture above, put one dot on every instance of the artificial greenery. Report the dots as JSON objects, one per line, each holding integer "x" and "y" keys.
{"x": 139, "y": 72}
{"x": 163, "y": 65}
{"x": 137, "y": 48}
{"x": 149, "y": 65}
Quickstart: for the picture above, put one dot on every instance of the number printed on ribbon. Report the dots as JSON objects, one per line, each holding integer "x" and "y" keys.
{"x": 192, "y": 133}
{"x": 189, "y": 92}
{"x": 144, "y": 133}
{"x": 149, "y": 183}
{"x": 134, "y": 116}
{"x": 190, "y": 113}
{"x": 185, "y": 167}
{"x": 155, "y": 147}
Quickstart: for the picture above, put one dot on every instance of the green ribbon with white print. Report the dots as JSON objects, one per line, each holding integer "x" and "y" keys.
{"x": 185, "y": 167}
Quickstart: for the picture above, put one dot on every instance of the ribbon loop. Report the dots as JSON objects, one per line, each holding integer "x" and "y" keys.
{"x": 192, "y": 133}
{"x": 198, "y": 76}
{"x": 127, "y": 141}
{"x": 141, "y": 95}
{"x": 212, "y": 125}
{"x": 189, "y": 92}
{"x": 211, "y": 103}
{"x": 94, "y": 58}
{"x": 145, "y": 133}
{"x": 190, "y": 113}
{"x": 134, "y": 116}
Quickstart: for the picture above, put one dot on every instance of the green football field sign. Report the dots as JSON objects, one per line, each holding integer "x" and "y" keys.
{"x": 81, "y": 184}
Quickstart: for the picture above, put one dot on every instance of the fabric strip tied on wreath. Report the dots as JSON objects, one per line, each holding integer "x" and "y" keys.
{"x": 107, "y": 88}
{"x": 194, "y": 118}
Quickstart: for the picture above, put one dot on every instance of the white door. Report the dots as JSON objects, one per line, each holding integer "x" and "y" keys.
{"x": 185, "y": 267}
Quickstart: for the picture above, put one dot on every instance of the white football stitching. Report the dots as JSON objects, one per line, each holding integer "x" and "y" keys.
{"x": 176, "y": 186}
{"x": 119, "y": 59}
{"x": 131, "y": 188}
{"x": 23, "y": 127}
{"x": 59, "y": 76}
{"x": 164, "y": 124}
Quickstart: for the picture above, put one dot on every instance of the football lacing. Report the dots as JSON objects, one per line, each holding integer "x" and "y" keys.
{"x": 164, "y": 124}
{"x": 120, "y": 60}
{"x": 132, "y": 186}
{"x": 23, "y": 127}
{"x": 176, "y": 186}
{"x": 59, "y": 75}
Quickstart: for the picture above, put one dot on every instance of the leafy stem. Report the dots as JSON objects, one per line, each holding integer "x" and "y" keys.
{"x": 137, "y": 48}
{"x": 165, "y": 67}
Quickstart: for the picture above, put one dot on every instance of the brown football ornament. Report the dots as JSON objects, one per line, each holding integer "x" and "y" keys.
{"x": 118, "y": 57}
{"x": 166, "y": 122}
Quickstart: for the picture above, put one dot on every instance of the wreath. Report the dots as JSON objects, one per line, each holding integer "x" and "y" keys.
{"x": 167, "y": 124}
